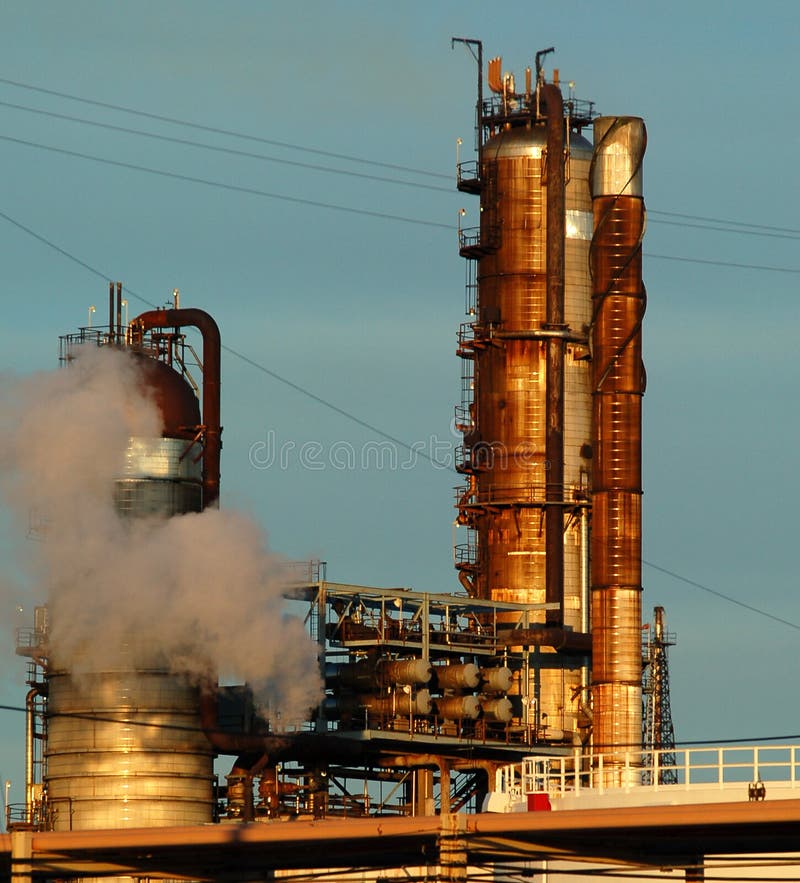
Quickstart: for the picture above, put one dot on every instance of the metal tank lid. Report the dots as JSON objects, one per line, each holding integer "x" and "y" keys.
{"x": 175, "y": 398}
{"x": 525, "y": 141}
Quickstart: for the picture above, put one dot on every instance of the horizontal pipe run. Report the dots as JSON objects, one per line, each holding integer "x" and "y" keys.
{"x": 579, "y": 643}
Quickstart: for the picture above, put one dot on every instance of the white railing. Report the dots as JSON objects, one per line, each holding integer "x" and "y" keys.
{"x": 718, "y": 767}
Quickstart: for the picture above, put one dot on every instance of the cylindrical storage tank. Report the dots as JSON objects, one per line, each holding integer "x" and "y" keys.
{"x": 404, "y": 671}
{"x": 125, "y": 749}
{"x": 398, "y": 703}
{"x": 458, "y": 676}
{"x": 124, "y": 745}
{"x": 496, "y": 680}
{"x": 617, "y": 387}
{"x": 352, "y": 675}
{"x": 161, "y": 477}
{"x": 498, "y": 710}
{"x": 458, "y": 707}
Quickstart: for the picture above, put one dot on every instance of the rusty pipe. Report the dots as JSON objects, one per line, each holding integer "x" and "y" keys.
{"x": 212, "y": 432}
{"x": 30, "y": 735}
{"x": 553, "y": 104}
{"x": 617, "y": 387}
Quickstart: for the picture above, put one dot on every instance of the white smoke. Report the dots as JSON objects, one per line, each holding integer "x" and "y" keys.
{"x": 201, "y": 591}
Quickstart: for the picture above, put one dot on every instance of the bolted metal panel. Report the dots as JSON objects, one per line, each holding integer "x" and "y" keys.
{"x": 618, "y": 303}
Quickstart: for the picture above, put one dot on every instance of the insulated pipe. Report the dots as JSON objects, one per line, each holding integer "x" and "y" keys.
{"x": 457, "y": 676}
{"x": 576, "y": 643}
{"x": 30, "y": 735}
{"x": 455, "y": 708}
{"x": 618, "y": 303}
{"x": 212, "y": 432}
{"x": 550, "y": 99}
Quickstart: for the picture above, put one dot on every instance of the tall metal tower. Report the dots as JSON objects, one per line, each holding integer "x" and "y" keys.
{"x": 658, "y": 734}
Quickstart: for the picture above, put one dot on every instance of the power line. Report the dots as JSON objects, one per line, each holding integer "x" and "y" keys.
{"x": 729, "y": 598}
{"x": 739, "y": 227}
{"x": 342, "y": 156}
{"x": 712, "y": 263}
{"x": 94, "y": 716}
{"x": 220, "y": 131}
{"x": 740, "y": 232}
{"x": 236, "y": 188}
{"x": 724, "y": 221}
{"x": 251, "y": 191}
{"x": 228, "y": 150}
{"x": 413, "y": 449}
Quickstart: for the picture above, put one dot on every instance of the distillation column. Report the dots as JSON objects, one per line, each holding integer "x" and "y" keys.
{"x": 527, "y": 442}
{"x": 618, "y": 381}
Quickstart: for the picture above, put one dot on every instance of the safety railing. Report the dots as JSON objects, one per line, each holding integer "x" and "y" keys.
{"x": 753, "y": 767}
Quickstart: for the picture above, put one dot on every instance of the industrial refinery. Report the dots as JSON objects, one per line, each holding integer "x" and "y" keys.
{"x": 523, "y": 688}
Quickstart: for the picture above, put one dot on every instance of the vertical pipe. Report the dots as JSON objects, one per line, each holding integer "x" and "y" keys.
{"x": 30, "y": 736}
{"x": 111, "y": 311}
{"x": 585, "y": 565}
{"x": 618, "y": 300}
{"x": 554, "y": 413}
{"x": 584, "y": 703}
{"x": 119, "y": 311}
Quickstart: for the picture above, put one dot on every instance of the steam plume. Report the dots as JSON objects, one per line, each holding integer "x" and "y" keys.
{"x": 200, "y": 591}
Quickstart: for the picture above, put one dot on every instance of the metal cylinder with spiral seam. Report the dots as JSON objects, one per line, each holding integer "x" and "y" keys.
{"x": 618, "y": 382}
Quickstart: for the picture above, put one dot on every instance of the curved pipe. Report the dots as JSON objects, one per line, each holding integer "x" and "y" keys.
{"x": 212, "y": 444}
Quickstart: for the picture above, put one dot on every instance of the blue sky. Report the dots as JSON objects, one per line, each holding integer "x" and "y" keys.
{"x": 362, "y": 310}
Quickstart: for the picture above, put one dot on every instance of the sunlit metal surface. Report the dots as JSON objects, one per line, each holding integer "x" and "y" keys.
{"x": 617, "y": 387}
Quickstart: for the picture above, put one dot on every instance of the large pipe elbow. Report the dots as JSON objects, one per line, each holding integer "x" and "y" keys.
{"x": 212, "y": 347}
